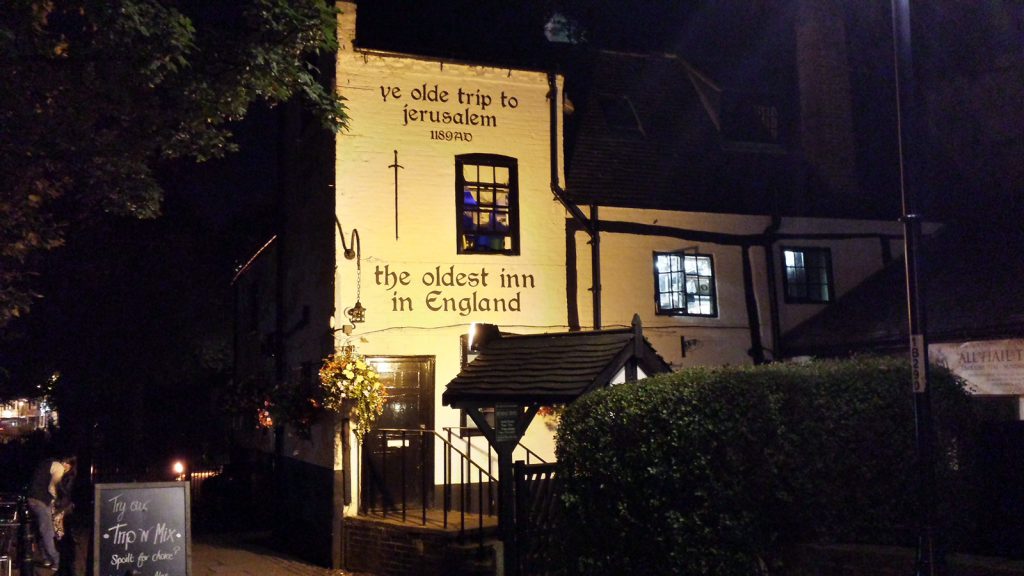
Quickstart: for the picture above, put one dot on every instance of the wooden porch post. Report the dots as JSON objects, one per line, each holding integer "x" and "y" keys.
{"x": 510, "y": 423}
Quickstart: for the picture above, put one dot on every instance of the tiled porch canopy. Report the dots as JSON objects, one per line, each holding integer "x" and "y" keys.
{"x": 550, "y": 368}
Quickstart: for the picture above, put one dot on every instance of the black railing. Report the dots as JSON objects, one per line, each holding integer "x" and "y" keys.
{"x": 538, "y": 507}
{"x": 468, "y": 486}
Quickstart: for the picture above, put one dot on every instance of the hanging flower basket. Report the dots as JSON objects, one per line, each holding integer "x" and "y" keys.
{"x": 552, "y": 415}
{"x": 351, "y": 387}
{"x": 283, "y": 405}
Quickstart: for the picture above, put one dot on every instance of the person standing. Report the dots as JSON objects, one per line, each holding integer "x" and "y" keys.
{"x": 42, "y": 491}
{"x": 62, "y": 509}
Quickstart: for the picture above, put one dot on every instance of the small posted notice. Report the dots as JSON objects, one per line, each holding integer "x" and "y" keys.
{"x": 989, "y": 366}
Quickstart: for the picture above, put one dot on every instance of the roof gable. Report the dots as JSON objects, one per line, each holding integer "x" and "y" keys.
{"x": 679, "y": 159}
{"x": 550, "y": 368}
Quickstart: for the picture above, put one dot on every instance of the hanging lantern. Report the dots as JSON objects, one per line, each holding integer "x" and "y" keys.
{"x": 357, "y": 313}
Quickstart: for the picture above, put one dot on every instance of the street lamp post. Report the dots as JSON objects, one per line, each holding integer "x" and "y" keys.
{"x": 929, "y": 561}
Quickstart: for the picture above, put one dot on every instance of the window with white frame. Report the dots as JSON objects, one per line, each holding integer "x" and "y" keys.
{"x": 487, "y": 204}
{"x": 808, "y": 275}
{"x": 684, "y": 284}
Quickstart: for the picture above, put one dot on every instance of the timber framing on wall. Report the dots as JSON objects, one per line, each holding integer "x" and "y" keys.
{"x": 744, "y": 242}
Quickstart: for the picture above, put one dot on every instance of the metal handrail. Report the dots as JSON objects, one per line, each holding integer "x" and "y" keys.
{"x": 529, "y": 452}
{"x": 446, "y": 443}
{"x": 466, "y": 468}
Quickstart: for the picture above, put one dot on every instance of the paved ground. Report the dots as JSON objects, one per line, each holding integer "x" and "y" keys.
{"x": 249, "y": 555}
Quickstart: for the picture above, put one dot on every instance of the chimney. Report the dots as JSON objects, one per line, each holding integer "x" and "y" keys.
{"x": 826, "y": 118}
{"x": 346, "y": 25}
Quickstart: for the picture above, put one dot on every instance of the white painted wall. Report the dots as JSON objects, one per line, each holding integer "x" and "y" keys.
{"x": 628, "y": 278}
{"x": 399, "y": 264}
{"x": 398, "y": 279}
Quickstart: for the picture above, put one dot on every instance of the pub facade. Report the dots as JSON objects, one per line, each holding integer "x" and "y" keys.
{"x": 465, "y": 194}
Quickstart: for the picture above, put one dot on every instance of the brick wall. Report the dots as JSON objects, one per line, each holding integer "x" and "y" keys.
{"x": 387, "y": 549}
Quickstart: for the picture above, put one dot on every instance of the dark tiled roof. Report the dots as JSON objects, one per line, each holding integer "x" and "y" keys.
{"x": 548, "y": 367}
{"x": 677, "y": 163}
{"x": 974, "y": 290}
{"x": 683, "y": 160}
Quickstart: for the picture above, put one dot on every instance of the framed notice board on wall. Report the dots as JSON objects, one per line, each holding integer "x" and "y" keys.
{"x": 142, "y": 529}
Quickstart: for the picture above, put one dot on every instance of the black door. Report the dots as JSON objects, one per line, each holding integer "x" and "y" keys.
{"x": 398, "y": 454}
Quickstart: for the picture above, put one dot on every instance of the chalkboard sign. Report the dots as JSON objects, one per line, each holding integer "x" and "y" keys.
{"x": 142, "y": 529}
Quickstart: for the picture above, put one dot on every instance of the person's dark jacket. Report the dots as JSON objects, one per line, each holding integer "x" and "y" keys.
{"x": 39, "y": 486}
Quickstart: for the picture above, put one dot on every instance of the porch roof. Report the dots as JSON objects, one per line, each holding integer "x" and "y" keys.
{"x": 550, "y": 368}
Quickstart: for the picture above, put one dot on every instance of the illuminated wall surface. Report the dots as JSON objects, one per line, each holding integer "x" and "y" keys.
{"x": 448, "y": 239}
{"x": 420, "y": 292}
{"x": 628, "y": 284}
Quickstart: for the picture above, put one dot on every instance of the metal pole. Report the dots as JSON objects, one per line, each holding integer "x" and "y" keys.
{"x": 26, "y": 564}
{"x": 908, "y": 111}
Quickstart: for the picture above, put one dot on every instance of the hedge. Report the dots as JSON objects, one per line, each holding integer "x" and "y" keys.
{"x": 719, "y": 471}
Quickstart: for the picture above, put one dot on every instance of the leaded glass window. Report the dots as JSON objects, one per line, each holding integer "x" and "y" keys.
{"x": 808, "y": 275}
{"x": 487, "y": 204}
{"x": 684, "y": 284}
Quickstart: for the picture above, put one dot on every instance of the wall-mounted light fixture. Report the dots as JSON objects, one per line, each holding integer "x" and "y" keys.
{"x": 352, "y": 250}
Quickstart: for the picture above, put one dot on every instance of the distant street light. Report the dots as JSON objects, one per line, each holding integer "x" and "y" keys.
{"x": 179, "y": 470}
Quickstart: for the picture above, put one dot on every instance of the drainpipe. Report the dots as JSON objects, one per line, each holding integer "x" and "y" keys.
{"x": 590, "y": 225}
{"x": 773, "y": 292}
{"x": 595, "y": 265}
{"x": 756, "y": 347}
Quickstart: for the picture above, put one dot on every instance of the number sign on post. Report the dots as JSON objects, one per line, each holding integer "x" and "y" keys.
{"x": 142, "y": 529}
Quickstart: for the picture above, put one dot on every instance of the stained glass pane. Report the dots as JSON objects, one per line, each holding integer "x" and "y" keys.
{"x": 488, "y": 205}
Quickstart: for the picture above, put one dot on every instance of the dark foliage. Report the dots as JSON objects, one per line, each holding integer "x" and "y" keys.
{"x": 714, "y": 472}
{"x": 97, "y": 93}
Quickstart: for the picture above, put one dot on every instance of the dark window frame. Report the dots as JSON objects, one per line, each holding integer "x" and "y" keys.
{"x": 512, "y": 209}
{"x": 713, "y": 294}
{"x": 830, "y": 280}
